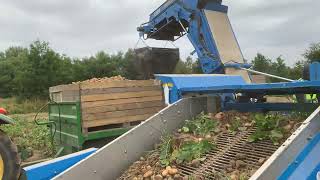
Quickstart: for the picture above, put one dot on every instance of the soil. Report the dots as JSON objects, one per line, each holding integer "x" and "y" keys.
{"x": 149, "y": 166}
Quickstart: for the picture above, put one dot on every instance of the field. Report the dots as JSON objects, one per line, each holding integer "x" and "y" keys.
{"x": 33, "y": 141}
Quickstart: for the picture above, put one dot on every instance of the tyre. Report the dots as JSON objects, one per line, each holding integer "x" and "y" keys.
{"x": 9, "y": 159}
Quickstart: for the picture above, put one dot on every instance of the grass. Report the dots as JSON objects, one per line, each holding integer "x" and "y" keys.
{"x": 16, "y": 106}
{"x": 34, "y": 142}
{"x": 29, "y": 137}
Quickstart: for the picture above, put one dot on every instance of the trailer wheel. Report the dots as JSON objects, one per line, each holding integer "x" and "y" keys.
{"x": 9, "y": 159}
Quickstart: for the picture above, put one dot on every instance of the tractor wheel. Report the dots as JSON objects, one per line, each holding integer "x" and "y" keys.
{"x": 9, "y": 159}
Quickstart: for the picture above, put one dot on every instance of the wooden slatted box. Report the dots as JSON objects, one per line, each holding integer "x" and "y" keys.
{"x": 114, "y": 103}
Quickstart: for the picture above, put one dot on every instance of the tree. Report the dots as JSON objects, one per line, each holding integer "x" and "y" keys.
{"x": 41, "y": 69}
{"x": 261, "y": 63}
{"x": 188, "y": 67}
{"x": 297, "y": 71}
{"x": 11, "y": 63}
{"x": 313, "y": 53}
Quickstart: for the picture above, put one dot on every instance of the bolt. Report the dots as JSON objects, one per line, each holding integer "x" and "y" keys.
{"x": 125, "y": 151}
{"x": 309, "y": 138}
{"x": 95, "y": 172}
{"x": 164, "y": 121}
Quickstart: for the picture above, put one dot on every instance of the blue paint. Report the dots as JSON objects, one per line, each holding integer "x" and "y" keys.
{"x": 181, "y": 82}
{"x": 297, "y": 87}
{"x": 199, "y": 32}
{"x": 315, "y": 71}
{"x": 50, "y": 169}
{"x": 314, "y": 173}
{"x": 216, "y": 7}
{"x": 212, "y": 84}
{"x": 306, "y": 165}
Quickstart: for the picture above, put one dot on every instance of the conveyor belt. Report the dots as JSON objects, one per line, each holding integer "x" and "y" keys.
{"x": 228, "y": 146}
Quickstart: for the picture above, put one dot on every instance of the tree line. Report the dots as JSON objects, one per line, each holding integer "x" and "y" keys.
{"x": 28, "y": 72}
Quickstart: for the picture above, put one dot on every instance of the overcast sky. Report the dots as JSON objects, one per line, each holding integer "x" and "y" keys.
{"x": 80, "y": 28}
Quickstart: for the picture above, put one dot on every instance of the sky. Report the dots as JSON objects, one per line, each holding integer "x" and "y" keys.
{"x": 80, "y": 28}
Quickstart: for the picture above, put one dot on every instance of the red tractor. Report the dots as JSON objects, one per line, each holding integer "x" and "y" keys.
{"x": 9, "y": 158}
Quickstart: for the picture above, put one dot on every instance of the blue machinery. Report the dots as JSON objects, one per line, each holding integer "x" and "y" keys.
{"x": 176, "y": 18}
{"x": 207, "y": 26}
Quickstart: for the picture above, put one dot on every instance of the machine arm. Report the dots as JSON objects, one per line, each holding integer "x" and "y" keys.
{"x": 176, "y": 18}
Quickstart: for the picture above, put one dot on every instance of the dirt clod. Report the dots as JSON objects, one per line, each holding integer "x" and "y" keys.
{"x": 148, "y": 174}
{"x": 240, "y": 156}
{"x": 196, "y": 163}
{"x": 261, "y": 161}
{"x": 158, "y": 177}
{"x": 219, "y": 116}
{"x": 234, "y": 177}
{"x": 288, "y": 128}
{"x": 247, "y": 124}
{"x": 240, "y": 164}
{"x": 186, "y": 178}
{"x": 177, "y": 177}
{"x": 233, "y": 163}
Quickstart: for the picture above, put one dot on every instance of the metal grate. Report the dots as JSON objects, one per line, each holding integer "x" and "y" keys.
{"x": 228, "y": 146}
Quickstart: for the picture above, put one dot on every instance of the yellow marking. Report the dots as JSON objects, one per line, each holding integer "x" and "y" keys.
{"x": 1, "y": 168}
{"x": 168, "y": 85}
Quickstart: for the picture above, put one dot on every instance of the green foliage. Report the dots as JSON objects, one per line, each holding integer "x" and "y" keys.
{"x": 313, "y": 53}
{"x": 202, "y": 125}
{"x": 267, "y": 128}
{"x": 235, "y": 125}
{"x": 186, "y": 152}
{"x": 191, "y": 150}
{"x": 30, "y": 137}
{"x": 278, "y": 67}
{"x": 179, "y": 151}
{"x": 166, "y": 150}
{"x": 188, "y": 67}
{"x": 28, "y": 73}
{"x": 22, "y": 106}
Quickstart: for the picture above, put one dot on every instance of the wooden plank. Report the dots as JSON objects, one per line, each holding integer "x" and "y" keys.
{"x": 103, "y": 97}
{"x": 114, "y": 84}
{"x": 121, "y": 107}
{"x": 119, "y": 90}
{"x": 103, "y": 122}
{"x": 120, "y": 101}
{"x": 60, "y": 88}
{"x": 65, "y": 96}
{"x": 115, "y": 114}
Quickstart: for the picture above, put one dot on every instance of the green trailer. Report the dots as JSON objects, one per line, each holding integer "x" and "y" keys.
{"x": 68, "y": 133}
{"x": 85, "y": 115}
